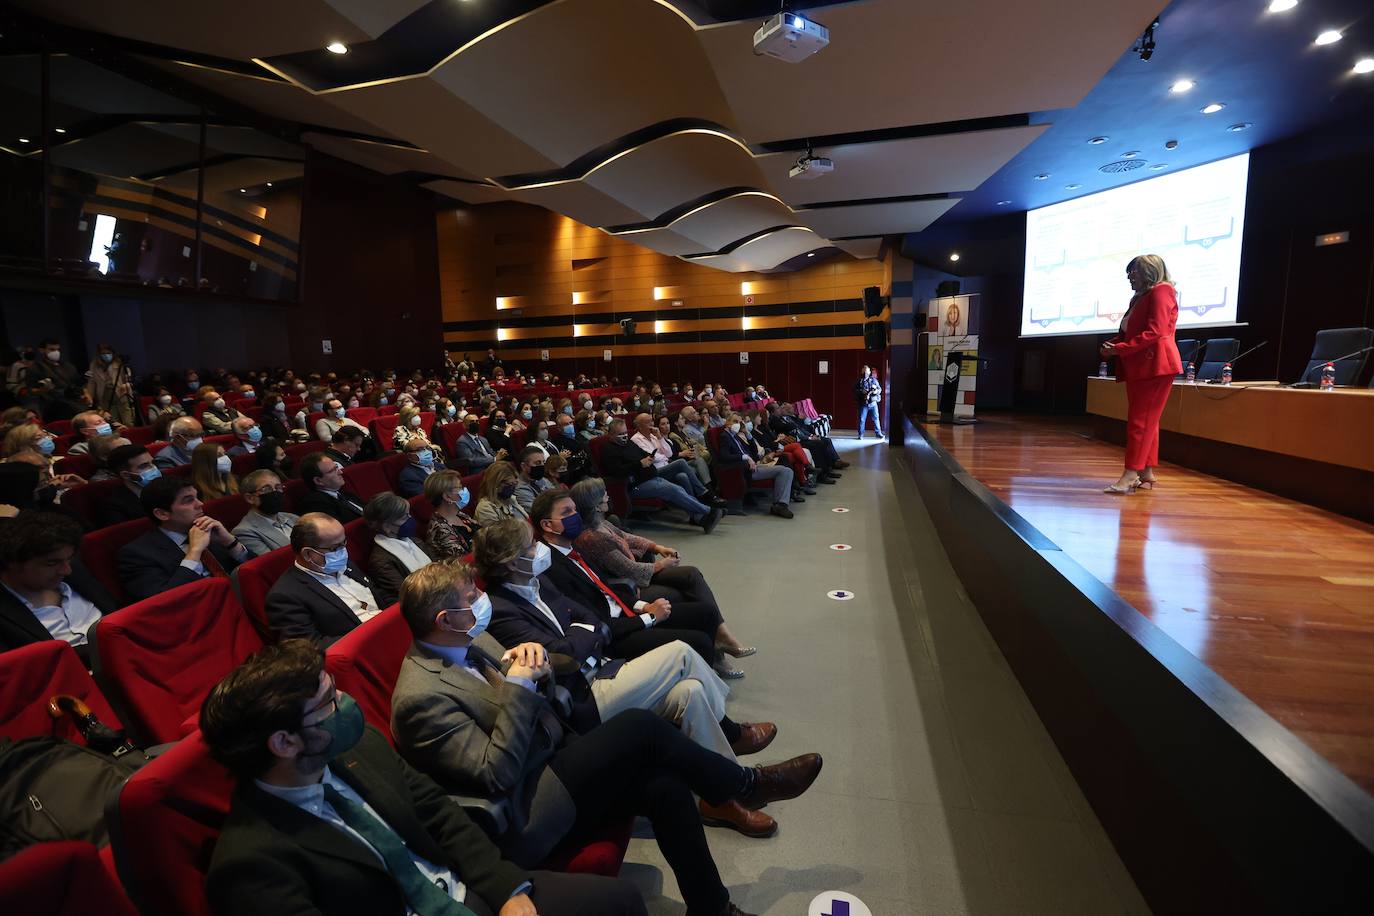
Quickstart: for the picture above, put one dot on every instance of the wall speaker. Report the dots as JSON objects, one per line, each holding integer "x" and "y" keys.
{"x": 627, "y": 327}
{"x": 873, "y": 302}
{"x": 947, "y": 288}
{"x": 875, "y": 335}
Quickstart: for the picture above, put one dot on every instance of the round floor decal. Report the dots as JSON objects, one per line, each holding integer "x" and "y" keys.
{"x": 839, "y": 509}
{"x": 840, "y": 594}
{"x": 841, "y": 547}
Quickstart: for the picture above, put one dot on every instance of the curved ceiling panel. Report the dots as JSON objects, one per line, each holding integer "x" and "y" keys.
{"x": 718, "y": 225}
{"x": 580, "y": 201}
{"x": 380, "y": 157}
{"x": 897, "y": 62}
{"x": 375, "y": 16}
{"x": 665, "y": 241}
{"x": 861, "y": 248}
{"x": 698, "y": 161}
{"x": 468, "y": 193}
{"x": 876, "y": 219}
{"x": 768, "y": 251}
{"x": 902, "y": 168}
{"x": 588, "y": 71}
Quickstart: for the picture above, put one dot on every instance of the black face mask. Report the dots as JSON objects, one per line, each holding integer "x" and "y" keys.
{"x": 474, "y": 427}
{"x": 537, "y": 473}
{"x": 271, "y": 503}
{"x": 498, "y": 423}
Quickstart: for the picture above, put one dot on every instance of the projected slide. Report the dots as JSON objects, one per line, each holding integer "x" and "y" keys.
{"x": 1077, "y": 251}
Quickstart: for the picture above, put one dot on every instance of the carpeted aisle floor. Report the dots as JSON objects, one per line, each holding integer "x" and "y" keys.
{"x": 941, "y": 793}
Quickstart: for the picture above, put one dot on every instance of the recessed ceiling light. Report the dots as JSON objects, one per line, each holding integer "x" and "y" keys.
{"x": 1329, "y": 37}
{"x": 269, "y": 184}
{"x": 60, "y": 130}
{"x": 1182, "y": 86}
{"x": 1364, "y": 65}
{"x": 1282, "y": 6}
{"x": 243, "y": 190}
{"x": 1237, "y": 128}
{"x": 1003, "y": 203}
{"x": 1042, "y": 176}
{"x": 1171, "y": 144}
{"x": 954, "y": 255}
{"x": 336, "y": 47}
{"x": 1213, "y": 108}
{"x": 1072, "y": 187}
{"x": 1098, "y": 141}
{"x": 811, "y": 254}
{"x": 1158, "y": 166}
{"x": 1130, "y": 154}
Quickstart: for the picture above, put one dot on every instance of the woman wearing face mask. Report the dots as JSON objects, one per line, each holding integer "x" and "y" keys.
{"x": 496, "y": 496}
{"x": 522, "y": 417}
{"x": 450, "y": 529}
{"x": 396, "y": 551}
{"x": 684, "y": 448}
{"x": 785, "y": 449}
{"x": 445, "y": 412}
{"x": 210, "y": 471}
{"x": 273, "y": 419}
{"x": 30, "y": 438}
{"x": 408, "y": 428}
{"x": 163, "y": 405}
{"x": 586, "y": 426}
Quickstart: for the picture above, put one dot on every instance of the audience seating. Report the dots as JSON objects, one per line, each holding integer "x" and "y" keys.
{"x": 366, "y": 478}
{"x": 30, "y": 675}
{"x": 732, "y": 483}
{"x": 361, "y": 415}
{"x": 58, "y": 427}
{"x": 229, "y": 510}
{"x": 61, "y": 879}
{"x": 100, "y": 548}
{"x": 157, "y": 659}
{"x": 421, "y": 509}
{"x": 618, "y": 488}
{"x": 83, "y": 500}
{"x": 80, "y": 465}
{"x": 449, "y": 436}
{"x": 164, "y": 825}
{"x": 359, "y": 544}
{"x": 295, "y": 492}
{"x": 473, "y": 482}
{"x": 138, "y": 435}
{"x": 241, "y": 465}
{"x": 255, "y": 579}
{"x": 392, "y": 466}
{"x": 298, "y": 450}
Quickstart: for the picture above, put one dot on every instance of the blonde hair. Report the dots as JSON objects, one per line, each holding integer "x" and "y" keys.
{"x": 205, "y": 475}
{"x": 24, "y": 438}
{"x": 498, "y": 473}
{"x": 1152, "y": 269}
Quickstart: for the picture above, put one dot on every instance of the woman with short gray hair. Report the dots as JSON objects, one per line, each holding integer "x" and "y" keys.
{"x": 396, "y": 551}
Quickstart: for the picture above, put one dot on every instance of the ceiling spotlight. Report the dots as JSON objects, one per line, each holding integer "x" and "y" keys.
{"x": 1329, "y": 37}
{"x": 60, "y": 130}
{"x": 23, "y": 139}
{"x": 1182, "y": 86}
{"x": 811, "y": 254}
{"x": 1158, "y": 166}
{"x": 243, "y": 190}
{"x": 1171, "y": 144}
{"x": 1042, "y": 176}
{"x": 954, "y": 255}
{"x": 1003, "y": 203}
{"x": 1146, "y": 46}
{"x": 1282, "y": 6}
{"x": 269, "y": 184}
{"x": 1098, "y": 141}
{"x": 1237, "y": 128}
{"x": 336, "y": 47}
{"x": 1213, "y": 108}
{"x": 1130, "y": 154}
{"x": 1364, "y": 65}
{"x": 1072, "y": 187}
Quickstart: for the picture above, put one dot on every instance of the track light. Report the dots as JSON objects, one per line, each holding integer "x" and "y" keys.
{"x": 336, "y": 47}
{"x": 1146, "y": 46}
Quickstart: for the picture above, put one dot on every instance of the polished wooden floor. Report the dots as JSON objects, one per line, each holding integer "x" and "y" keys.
{"x": 1275, "y": 596}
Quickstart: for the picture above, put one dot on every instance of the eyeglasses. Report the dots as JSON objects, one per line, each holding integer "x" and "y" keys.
{"x": 263, "y": 491}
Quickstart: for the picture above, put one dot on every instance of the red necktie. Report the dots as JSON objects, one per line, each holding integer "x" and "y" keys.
{"x": 212, "y": 564}
{"x": 624, "y": 608}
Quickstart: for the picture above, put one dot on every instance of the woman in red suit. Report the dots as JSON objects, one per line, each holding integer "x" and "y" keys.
{"x": 1147, "y": 361}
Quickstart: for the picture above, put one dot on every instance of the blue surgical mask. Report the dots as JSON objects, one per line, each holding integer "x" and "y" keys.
{"x": 107, "y": 357}
{"x": 254, "y": 434}
{"x": 193, "y": 444}
{"x": 481, "y": 616}
{"x": 336, "y": 561}
{"x": 463, "y": 497}
{"x": 46, "y": 446}
{"x": 381, "y": 402}
{"x": 339, "y": 412}
{"x": 148, "y": 475}
{"x": 568, "y": 410}
{"x": 407, "y": 529}
{"x": 749, "y": 425}
{"x": 451, "y": 410}
{"x": 193, "y": 385}
{"x": 224, "y": 464}
{"x": 103, "y": 429}
{"x": 426, "y": 458}
{"x": 568, "y": 430}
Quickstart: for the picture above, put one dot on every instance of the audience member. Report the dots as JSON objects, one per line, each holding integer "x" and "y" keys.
{"x": 184, "y": 434}
{"x": 325, "y": 489}
{"x": 185, "y": 546}
{"x": 217, "y": 417}
{"x": 334, "y": 418}
{"x": 450, "y": 529}
{"x": 408, "y": 428}
{"x": 738, "y": 448}
{"x": 31, "y": 438}
{"x": 322, "y": 596}
{"x": 396, "y": 551}
{"x": 87, "y": 425}
{"x": 668, "y": 464}
{"x": 135, "y": 469}
{"x": 99, "y": 452}
{"x": 532, "y": 480}
{"x": 684, "y": 447}
{"x": 622, "y": 458}
{"x": 783, "y": 419}
{"x": 420, "y": 464}
{"x": 163, "y": 405}
{"x": 248, "y": 433}
{"x": 108, "y": 384}
{"x": 345, "y": 445}
{"x": 475, "y": 450}
{"x": 273, "y": 419}
{"x": 266, "y": 526}
{"x": 211, "y": 471}
{"x": 497, "y": 435}
{"x": 272, "y": 456}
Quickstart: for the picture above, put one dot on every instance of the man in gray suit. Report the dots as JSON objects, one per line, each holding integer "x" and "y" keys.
{"x": 476, "y": 728}
{"x": 475, "y": 449}
{"x": 266, "y": 527}
{"x": 184, "y": 434}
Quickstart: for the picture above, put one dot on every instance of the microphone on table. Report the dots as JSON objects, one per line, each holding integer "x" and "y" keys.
{"x": 1232, "y": 362}
{"x": 1307, "y": 384}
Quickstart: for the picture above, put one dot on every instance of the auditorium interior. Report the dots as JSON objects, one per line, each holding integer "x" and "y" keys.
{"x": 835, "y": 304}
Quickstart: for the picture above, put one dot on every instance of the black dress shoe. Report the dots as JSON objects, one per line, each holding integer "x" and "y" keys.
{"x": 840, "y": 465}
{"x": 797, "y": 498}
{"x": 809, "y": 490}
{"x": 718, "y": 503}
{"x": 828, "y": 478}
{"x": 709, "y": 520}
{"x": 780, "y": 510}
{"x": 782, "y": 781}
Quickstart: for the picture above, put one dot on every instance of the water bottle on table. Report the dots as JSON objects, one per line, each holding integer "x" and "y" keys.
{"x": 1226, "y": 374}
{"x": 1191, "y": 375}
{"x": 1102, "y": 369}
{"x": 1329, "y": 377}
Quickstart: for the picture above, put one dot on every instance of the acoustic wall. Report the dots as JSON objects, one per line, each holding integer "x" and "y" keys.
{"x": 542, "y": 288}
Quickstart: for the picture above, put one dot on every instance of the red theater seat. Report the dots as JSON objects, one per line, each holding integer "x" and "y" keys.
{"x": 392, "y": 466}
{"x": 30, "y": 675}
{"x": 618, "y": 488}
{"x": 731, "y": 482}
{"x": 255, "y": 579}
{"x": 138, "y": 435}
{"x": 298, "y": 450}
{"x": 157, "y": 659}
{"x": 421, "y": 508}
{"x": 164, "y": 825}
{"x": 80, "y": 465}
{"x": 242, "y": 465}
{"x": 58, "y": 427}
{"x": 359, "y": 539}
{"x": 82, "y": 501}
{"x": 61, "y": 879}
{"x": 449, "y": 436}
{"x": 361, "y": 415}
{"x": 382, "y": 427}
{"x": 99, "y": 550}
{"x": 295, "y": 491}
{"x": 366, "y": 478}
{"x": 229, "y": 510}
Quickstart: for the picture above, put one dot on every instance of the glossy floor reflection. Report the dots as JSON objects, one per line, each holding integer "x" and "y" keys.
{"x": 1274, "y": 595}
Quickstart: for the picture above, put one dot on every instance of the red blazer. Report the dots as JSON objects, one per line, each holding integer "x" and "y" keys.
{"x": 1145, "y": 347}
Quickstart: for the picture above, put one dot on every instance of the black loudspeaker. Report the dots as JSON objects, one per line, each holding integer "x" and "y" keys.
{"x": 947, "y": 288}
{"x": 875, "y": 335}
{"x": 627, "y": 327}
{"x": 873, "y": 302}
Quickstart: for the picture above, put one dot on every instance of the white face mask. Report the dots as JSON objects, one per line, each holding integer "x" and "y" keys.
{"x": 734, "y": 428}
{"x": 481, "y": 615}
{"x": 193, "y": 444}
{"x": 219, "y": 404}
{"x": 223, "y": 463}
{"x": 415, "y": 420}
{"x": 539, "y": 563}
{"x": 55, "y": 355}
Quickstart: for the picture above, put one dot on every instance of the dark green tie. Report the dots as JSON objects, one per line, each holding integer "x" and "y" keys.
{"x": 422, "y": 895}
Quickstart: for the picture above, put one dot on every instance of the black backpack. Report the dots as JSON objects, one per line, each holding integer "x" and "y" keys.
{"x": 52, "y": 789}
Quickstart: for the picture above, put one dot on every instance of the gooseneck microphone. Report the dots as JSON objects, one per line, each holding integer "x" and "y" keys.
{"x": 1307, "y": 383}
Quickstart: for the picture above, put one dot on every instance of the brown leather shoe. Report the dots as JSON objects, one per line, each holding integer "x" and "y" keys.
{"x": 754, "y": 737}
{"x": 737, "y": 817}
{"x": 784, "y": 780}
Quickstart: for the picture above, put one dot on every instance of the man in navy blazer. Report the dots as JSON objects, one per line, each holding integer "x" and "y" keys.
{"x": 419, "y": 465}
{"x": 321, "y": 597}
{"x": 186, "y": 545}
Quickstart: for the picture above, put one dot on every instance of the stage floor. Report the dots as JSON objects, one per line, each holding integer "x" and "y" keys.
{"x": 1275, "y": 596}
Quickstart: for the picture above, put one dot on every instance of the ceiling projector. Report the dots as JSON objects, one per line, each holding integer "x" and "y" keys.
{"x": 790, "y": 37}
{"x": 810, "y": 167}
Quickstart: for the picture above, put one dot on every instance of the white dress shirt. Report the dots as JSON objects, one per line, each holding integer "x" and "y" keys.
{"x": 611, "y": 604}
{"x": 69, "y": 619}
{"x": 356, "y": 596}
{"x": 404, "y": 550}
{"x": 660, "y": 447}
{"x": 311, "y": 800}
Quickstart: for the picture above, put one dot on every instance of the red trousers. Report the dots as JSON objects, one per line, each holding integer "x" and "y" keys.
{"x": 1145, "y": 400}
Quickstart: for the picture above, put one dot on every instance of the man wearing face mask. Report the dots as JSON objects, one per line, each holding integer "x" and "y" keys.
{"x": 322, "y": 596}
{"x": 186, "y": 546}
{"x": 420, "y": 464}
{"x": 88, "y": 425}
{"x": 217, "y": 417}
{"x": 475, "y": 450}
{"x": 135, "y": 469}
{"x": 326, "y": 490}
{"x": 333, "y": 420}
{"x": 249, "y": 434}
{"x": 532, "y": 480}
{"x": 622, "y": 458}
{"x": 327, "y": 819}
{"x": 266, "y": 526}
{"x": 55, "y": 381}
{"x": 184, "y": 434}
{"x": 666, "y": 462}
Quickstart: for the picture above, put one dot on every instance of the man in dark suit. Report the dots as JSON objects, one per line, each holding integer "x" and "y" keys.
{"x": 462, "y": 718}
{"x": 48, "y": 594}
{"x": 322, "y": 597}
{"x": 187, "y": 545}
{"x": 134, "y": 467}
{"x": 327, "y": 819}
{"x": 474, "y": 449}
{"x": 324, "y": 482}
{"x": 783, "y": 420}
{"x": 419, "y": 465}
{"x": 344, "y": 445}
{"x": 622, "y": 458}
{"x": 497, "y": 437}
